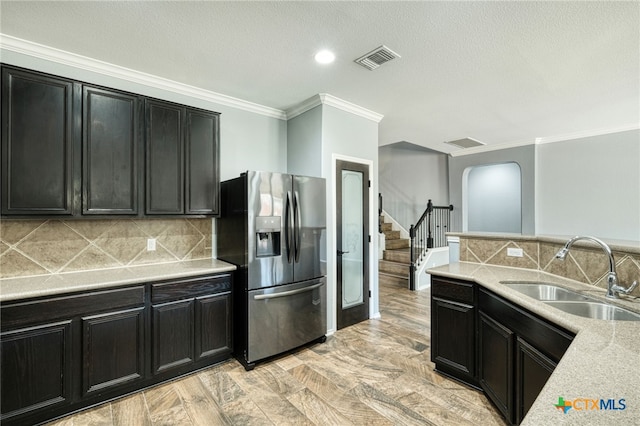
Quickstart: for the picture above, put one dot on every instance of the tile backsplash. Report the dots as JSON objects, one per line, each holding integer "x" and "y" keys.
{"x": 584, "y": 263}
{"x": 35, "y": 247}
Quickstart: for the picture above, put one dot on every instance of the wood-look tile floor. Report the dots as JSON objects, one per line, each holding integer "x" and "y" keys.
{"x": 377, "y": 372}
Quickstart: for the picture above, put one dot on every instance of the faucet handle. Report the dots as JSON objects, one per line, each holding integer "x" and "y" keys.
{"x": 627, "y": 290}
{"x": 631, "y": 287}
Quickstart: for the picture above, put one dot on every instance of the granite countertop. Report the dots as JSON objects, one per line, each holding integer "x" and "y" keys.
{"x": 47, "y": 285}
{"x": 603, "y": 362}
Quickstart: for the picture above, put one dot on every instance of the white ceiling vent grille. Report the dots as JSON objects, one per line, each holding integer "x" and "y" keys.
{"x": 376, "y": 57}
{"x": 465, "y": 143}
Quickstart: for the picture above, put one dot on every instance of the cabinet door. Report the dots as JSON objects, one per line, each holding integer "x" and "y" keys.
{"x": 173, "y": 331}
{"x": 213, "y": 325}
{"x": 453, "y": 338}
{"x": 113, "y": 349}
{"x": 496, "y": 363}
{"x": 37, "y": 143}
{"x": 164, "y": 158}
{"x": 533, "y": 369}
{"x": 36, "y": 368}
{"x": 202, "y": 162}
{"x": 110, "y": 151}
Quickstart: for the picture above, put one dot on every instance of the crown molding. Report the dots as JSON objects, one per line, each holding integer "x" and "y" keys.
{"x": 586, "y": 134}
{"x": 304, "y": 106}
{"x": 343, "y": 105}
{"x": 326, "y": 99}
{"x": 52, "y": 54}
{"x": 40, "y": 51}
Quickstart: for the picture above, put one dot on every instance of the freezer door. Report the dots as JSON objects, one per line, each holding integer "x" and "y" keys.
{"x": 310, "y": 254}
{"x": 285, "y": 317}
{"x": 269, "y": 207}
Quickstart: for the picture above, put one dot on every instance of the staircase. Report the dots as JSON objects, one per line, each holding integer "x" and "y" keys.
{"x": 393, "y": 269}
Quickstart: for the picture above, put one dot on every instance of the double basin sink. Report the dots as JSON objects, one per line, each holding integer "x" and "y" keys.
{"x": 572, "y": 302}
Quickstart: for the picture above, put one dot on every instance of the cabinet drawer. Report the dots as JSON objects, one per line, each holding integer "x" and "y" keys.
{"x": 548, "y": 338}
{"x": 189, "y": 288}
{"x": 69, "y": 306}
{"x": 461, "y": 291}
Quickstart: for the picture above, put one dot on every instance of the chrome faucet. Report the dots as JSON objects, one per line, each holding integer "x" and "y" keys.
{"x": 613, "y": 288}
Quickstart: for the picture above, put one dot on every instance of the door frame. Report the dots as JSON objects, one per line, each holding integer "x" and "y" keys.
{"x": 373, "y": 245}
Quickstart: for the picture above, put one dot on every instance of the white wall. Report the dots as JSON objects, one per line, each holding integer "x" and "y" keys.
{"x": 493, "y": 197}
{"x": 354, "y": 138}
{"x": 316, "y": 139}
{"x": 523, "y": 156}
{"x": 248, "y": 141}
{"x": 304, "y": 143}
{"x": 410, "y": 175}
{"x": 590, "y": 186}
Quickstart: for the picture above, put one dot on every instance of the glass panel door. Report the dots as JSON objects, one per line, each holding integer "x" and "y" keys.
{"x": 352, "y": 201}
{"x": 352, "y": 238}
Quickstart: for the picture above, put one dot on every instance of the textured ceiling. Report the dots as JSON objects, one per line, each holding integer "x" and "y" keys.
{"x": 498, "y": 72}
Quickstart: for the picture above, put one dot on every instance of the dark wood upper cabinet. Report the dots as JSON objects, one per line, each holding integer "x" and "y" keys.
{"x": 37, "y": 143}
{"x": 182, "y": 161}
{"x": 164, "y": 157}
{"x": 110, "y": 127}
{"x": 202, "y": 165}
{"x": 70, "y": 148}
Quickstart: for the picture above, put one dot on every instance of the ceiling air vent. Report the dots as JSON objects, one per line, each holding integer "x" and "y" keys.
{"x": 377, "y": 57}
{"x": 465, "y": 143}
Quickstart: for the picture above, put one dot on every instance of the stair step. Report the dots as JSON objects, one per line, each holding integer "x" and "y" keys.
{"x": 386, "y": 226}
{"x": 401, "y": 255}
{"x": 391, "y": 235}
{"x": 396, "y": 244}
{"x": 395, "y": 268}
{"x": 393, "y": 280}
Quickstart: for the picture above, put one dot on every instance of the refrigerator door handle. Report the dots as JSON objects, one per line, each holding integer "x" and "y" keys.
{"x": 286, "y": 293}
{"x": 288, "y": 227}
{"x": 296, "y": 227}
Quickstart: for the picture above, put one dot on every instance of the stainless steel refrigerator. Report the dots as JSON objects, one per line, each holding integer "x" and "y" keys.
{"x": 273, "y": 228}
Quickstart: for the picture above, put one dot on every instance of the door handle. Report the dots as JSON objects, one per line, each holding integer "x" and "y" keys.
{"x": 340, "y": 252}
{"x": 286, "y": 293}
{"x": 288, "y": 230}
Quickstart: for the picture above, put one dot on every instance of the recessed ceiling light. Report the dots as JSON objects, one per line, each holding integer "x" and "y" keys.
{"x": 325, "y": 57}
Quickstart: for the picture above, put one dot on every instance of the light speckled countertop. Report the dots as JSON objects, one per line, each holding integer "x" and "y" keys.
{"x": 46, "y": 285}
{"x": 603, "y": 362}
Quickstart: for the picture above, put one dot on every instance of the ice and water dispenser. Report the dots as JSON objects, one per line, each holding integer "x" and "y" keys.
{"x": 268, "y": 230}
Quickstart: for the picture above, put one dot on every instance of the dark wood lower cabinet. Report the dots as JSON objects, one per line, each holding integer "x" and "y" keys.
{"x": 453, "y": 329}
{"x": 113, "y": 349}
{"x": 515, "y": 350}
{"x": 213, "y": 326}
{"x": 36, "y": 368}
{"x": 518, "y": 353}
{"x": 496, "y": 364}
{"x": 60, "y": 354}
{"x": 173, "y": 326}
{"x": 455, "y": 357}
{"x": 533, "y": 369}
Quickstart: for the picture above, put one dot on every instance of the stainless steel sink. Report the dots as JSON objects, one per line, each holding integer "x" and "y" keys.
{"x": 544, "y": 291}
{"x": 571, "y": 302}
{"x": 595, "y": 310}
